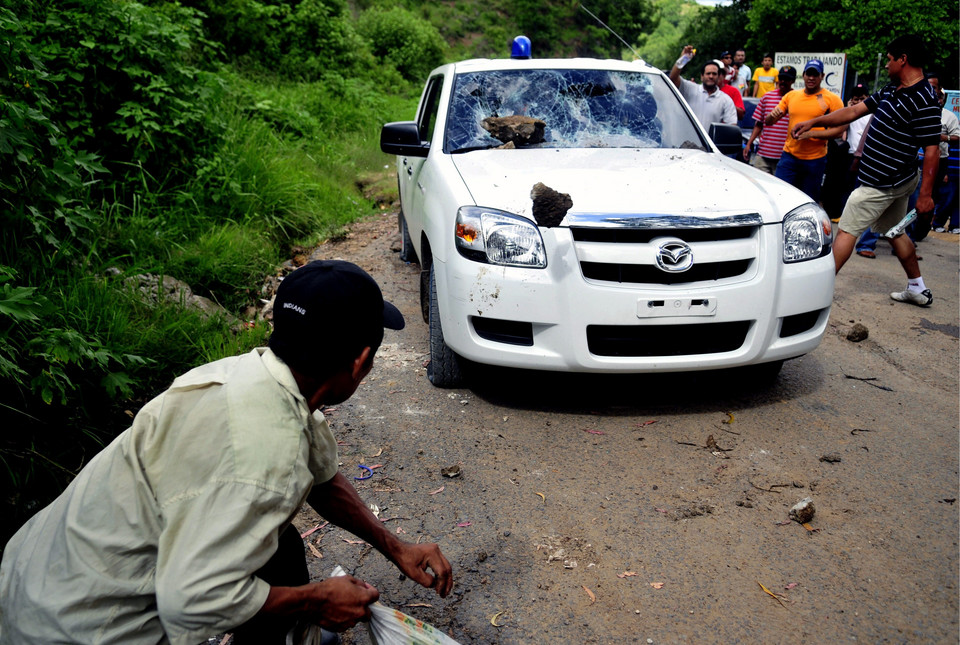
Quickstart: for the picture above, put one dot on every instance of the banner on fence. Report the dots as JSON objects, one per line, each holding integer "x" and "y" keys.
{"x": 834, "y": 68}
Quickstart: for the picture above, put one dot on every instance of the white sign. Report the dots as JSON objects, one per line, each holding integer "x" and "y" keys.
{"x": 834, "y": 68}
{"x": 953, "y": 101}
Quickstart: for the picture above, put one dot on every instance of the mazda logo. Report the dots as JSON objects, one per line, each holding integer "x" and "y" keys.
{"x": 674, "y": 256}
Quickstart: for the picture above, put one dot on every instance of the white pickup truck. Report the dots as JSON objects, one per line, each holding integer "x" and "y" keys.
{"x": 573, "y": 215}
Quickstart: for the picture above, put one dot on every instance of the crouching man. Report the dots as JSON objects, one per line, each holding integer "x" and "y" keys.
{"x": 180, "y": 528}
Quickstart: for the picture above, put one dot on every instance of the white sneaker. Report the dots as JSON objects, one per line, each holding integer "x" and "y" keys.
{"x": 940, "y": 229}
{"x": 921, "y": 299}
{"x": 956, "y": 231}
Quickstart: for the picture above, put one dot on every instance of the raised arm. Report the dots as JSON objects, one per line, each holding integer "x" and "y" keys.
{"x": 675, "y": 70}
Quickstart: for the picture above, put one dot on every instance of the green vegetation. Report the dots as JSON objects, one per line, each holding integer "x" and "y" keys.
{"x": 204, "y": 139}
{"x": 661, "y": 46}
{"x": 859, "y": 28}
{"x": 398, "y": 37}
{"x": 133, "y": 143}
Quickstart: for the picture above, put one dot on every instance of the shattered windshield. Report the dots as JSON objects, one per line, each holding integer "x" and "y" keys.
{"x": 565, "y": 108}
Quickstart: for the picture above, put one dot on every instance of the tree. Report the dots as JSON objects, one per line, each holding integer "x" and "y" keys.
{"x": 860, "y": 28}
{"x": 627, "y": 18}
{"x": 713, "y": 31}
{"x": 397, "y": 36}
{"x": 564, "y": 29}
{"x": 660, "y": 46}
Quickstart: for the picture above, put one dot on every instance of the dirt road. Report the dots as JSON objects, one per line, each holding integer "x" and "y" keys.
{"x": 600, "y": 510}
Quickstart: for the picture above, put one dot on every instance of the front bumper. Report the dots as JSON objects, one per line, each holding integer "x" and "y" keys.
{"x": 558, "y": 319}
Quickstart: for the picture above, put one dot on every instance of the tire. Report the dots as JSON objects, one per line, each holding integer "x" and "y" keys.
{"x": 407, "y": 252}
{"x": 444, "y": 367}
{"x": 425, "y": 294}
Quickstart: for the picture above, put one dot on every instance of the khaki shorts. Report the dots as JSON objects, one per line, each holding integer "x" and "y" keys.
{"x": 876, "y": 208}
{"x": 768, "y": 166}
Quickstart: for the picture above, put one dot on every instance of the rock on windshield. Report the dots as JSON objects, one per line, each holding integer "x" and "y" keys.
{"x": 581, "y": 109}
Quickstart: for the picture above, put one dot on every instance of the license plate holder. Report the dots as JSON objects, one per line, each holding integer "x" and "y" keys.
{"x": 672, "y": 307}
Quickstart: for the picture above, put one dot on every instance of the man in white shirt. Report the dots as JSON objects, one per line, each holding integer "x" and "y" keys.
{"x": 180, "y": 528}
{"x": 708, "y": 103}
{"x": 856, "y": 128}
{"x": 743, "y": 72}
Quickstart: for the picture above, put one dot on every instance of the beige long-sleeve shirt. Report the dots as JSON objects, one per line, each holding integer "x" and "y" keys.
{"x": 158, "y": 537}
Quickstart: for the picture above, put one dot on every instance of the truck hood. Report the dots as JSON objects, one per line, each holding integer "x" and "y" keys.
{"x": 626, "y": 181}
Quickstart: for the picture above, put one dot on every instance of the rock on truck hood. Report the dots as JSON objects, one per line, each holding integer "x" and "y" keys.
{"x": 626, "y": 181}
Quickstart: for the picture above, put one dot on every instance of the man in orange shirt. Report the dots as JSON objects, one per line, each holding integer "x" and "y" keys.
{"x": 804, "y": 160}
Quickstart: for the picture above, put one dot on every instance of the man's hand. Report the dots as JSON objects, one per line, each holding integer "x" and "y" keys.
{"x": 773, "y": 116}
{"x": 414, "y": 560}
{"x": 338, "y": 603}
{"x": 746, "y": 151}
{"x": 802, "y": 127}
{"x": 925, "y": 207}
{"x": 337, "y": 501}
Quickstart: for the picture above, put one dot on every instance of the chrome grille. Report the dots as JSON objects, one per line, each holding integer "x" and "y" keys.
{"x": 624, "y": 249}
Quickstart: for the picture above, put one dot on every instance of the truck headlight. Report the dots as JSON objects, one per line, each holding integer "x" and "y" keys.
{"x": 807, "y": 233}
{"x": 496, "y": 237}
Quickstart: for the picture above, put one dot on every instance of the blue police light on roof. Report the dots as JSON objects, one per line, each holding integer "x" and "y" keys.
{"x": 520, "y": 48}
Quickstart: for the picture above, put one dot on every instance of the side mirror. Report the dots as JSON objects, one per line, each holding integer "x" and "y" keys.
{"x": 727, "y": 138}
{"x": 403, "y": 138}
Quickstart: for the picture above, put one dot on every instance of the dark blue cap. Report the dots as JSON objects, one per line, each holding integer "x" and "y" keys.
{"x": 814, "y": 63}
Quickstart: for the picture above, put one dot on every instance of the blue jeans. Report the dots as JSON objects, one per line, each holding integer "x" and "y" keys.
{"x": 867, "y": 241}
{"x": 947, "y": 212}
{"x": 805, "y": 174}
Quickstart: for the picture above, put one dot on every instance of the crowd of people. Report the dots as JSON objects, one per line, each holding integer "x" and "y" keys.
{"x": 868, "y": 162}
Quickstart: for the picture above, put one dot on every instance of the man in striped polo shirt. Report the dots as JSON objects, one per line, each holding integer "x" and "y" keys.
{"x": 906, "y": 117}
{"x": 772, "y": 137}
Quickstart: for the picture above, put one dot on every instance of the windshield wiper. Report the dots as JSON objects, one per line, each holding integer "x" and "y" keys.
{"x": 472, "y": 148}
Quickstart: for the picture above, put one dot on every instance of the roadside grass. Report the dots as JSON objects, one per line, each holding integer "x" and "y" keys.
{"x": 142, "y": 346}
{"x": 284, "y": 174}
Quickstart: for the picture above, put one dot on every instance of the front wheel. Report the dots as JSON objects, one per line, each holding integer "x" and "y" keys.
{"x": 407, "y": 253}
{"x": 444, "y": 367}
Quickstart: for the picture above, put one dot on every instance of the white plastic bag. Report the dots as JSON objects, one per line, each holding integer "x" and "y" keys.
{"x": 392, "y": 627}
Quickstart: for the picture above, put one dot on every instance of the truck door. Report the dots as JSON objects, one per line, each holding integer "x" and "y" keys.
{"x": 411, "y": 188}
